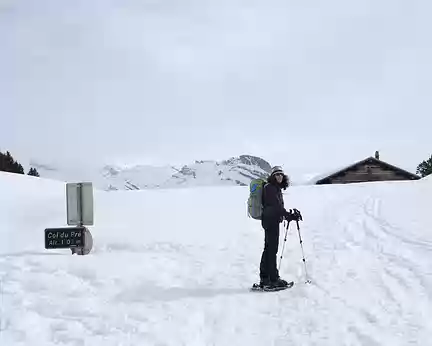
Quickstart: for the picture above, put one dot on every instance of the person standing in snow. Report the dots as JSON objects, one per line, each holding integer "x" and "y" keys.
{"x": 273, "y": 214}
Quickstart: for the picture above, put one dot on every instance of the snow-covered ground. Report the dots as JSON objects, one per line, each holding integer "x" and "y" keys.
{"x": 173, "y": 267}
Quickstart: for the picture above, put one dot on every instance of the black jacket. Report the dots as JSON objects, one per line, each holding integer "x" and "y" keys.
{"x": 273, "y": 203}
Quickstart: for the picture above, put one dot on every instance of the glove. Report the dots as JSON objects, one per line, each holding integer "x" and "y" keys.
{"x": 293, "y": 215}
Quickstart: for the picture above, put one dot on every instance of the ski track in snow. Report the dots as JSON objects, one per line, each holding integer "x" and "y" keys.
{"x": 187, "y": 284}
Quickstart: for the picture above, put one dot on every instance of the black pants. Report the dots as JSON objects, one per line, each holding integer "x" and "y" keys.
{"x": 268, "y": 267}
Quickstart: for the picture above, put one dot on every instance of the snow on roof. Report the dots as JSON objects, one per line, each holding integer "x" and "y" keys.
{"x": 326, "y": 174}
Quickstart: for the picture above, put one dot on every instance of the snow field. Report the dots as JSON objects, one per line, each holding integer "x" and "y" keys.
{"x": 173, "y": 267}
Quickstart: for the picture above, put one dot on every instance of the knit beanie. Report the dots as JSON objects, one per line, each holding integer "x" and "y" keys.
{"x": 276, "y": 169}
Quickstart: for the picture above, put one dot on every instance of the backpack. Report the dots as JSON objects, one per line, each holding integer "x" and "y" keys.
{"x": 254, "y": 201}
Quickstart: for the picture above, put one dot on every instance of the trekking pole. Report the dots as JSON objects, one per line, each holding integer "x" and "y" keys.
{"x": 283, "y": 247}
{"x": 308, "y": 281}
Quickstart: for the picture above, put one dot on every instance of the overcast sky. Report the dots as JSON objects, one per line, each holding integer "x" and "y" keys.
{"x": 310, "y": 86}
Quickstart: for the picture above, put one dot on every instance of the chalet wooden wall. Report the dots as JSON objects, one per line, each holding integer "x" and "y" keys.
{"x": 366, "y": 172}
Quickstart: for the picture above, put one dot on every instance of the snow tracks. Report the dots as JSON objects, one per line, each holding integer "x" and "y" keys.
{"x": 368, "y": 251}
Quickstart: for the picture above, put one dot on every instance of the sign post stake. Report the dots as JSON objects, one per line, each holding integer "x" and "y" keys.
{"x": 79, "y": 207}
{"x": 79, "y": 204}
{"x": 80, "y": 218}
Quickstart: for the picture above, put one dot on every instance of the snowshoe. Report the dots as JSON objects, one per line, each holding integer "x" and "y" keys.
{"x": 272, "y": 287}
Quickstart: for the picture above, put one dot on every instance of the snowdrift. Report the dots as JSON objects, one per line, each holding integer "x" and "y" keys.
{"x": 173, "y": 267}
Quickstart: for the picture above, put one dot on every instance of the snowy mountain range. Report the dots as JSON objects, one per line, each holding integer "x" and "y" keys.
{"x": 233, "y": 171}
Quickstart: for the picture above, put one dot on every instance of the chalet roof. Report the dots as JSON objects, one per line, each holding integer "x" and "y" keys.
{"x": 369, "y": 159}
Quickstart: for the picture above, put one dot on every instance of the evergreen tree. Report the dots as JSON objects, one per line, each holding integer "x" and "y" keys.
{"x": 33, "y": 172}
{"x": 18, "y": 168}
{"x": 8, "y": 164}
{"x": 425, "y": 167}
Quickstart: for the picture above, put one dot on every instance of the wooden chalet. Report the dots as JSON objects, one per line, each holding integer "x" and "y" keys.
{"x": 369, "y": 169}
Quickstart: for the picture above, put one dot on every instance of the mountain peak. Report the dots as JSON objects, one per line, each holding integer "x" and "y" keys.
{"x": 233, "y": 171}
{"x": 250, "y": 160}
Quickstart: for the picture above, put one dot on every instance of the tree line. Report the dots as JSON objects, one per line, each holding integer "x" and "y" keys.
{"x": 9, "y": 164}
